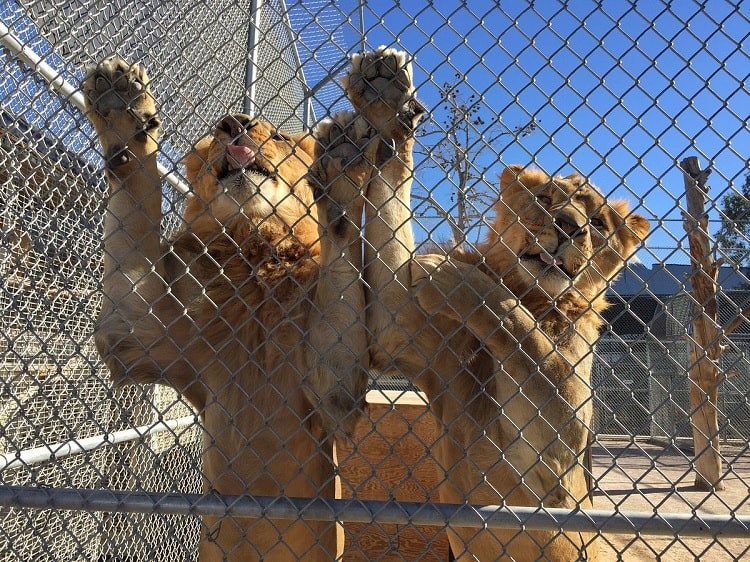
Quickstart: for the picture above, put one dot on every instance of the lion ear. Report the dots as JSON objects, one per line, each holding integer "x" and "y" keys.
{"x": 635, "y": 229}
{"x": 305, "y": 142}
{"x": 638, "y": 225}
{"x": 510, "y": 175}
{"x": 196, "y": 159}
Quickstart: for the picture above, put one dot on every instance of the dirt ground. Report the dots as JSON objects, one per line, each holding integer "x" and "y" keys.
{"x": 649, "y": 478}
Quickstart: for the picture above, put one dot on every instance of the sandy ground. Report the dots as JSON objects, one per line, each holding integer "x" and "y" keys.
{"x": 650, "y": 478}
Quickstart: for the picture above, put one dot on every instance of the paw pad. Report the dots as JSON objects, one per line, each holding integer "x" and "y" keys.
{"x": 115, "y": 85}
{"x": 382, "y": 77}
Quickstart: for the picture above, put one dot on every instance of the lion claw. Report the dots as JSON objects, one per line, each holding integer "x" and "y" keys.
{"x": 345, "y": 150}
{"x": 115, "y": 86}
{"x": 381, "y": 87}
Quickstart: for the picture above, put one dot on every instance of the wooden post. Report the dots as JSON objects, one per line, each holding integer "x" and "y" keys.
{"x": 705, "y": 346}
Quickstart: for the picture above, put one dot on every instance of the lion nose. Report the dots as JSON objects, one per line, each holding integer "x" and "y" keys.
{"x": 569, "y": 226}
{"x": 235, "y": 125}
{"x": 239, "y": 156}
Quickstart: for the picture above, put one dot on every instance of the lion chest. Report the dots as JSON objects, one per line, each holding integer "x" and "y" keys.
{"x": 253, "y": 284}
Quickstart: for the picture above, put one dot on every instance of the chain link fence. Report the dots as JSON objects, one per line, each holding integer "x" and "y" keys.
{"x": 617, "y": 91}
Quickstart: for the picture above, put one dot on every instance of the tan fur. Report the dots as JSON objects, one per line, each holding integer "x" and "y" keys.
{"x": 541, "y": 392}
{"x": 501, "y": 343}
{"x": 254, "y": 311}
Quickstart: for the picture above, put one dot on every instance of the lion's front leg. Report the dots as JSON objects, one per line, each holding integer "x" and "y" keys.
{"x": 123, "y": 112}
{"x": 131, "y": 326}
{"x": 543, "y": 433}
{"x": 367, "y": 152}
{"x": 380, "y": 85}
{"x": 344, "y": 154}
{"x": 460, "y": 291}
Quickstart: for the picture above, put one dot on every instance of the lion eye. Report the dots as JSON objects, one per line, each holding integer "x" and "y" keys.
{"x": 597, "y": 223}
{"x": 544, "y": 200}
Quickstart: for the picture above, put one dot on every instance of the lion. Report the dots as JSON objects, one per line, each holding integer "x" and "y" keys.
{"x": 500, "y": 339}
{"x": 254, "y": 311}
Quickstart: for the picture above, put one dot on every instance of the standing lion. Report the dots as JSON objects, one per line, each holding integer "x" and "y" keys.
{"x": 254, "y": 310}
{"x": 500, "y": 339}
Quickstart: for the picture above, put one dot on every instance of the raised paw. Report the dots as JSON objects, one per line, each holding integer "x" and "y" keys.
{"x": 344, "y": 156}
{"x": 381, "y": 87}
{"x": 115, "y": 89}
{"x": 431, "y": 275}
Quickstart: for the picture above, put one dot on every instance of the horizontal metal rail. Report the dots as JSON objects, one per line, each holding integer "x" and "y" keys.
{"x": 54, "y": 451}
{"x": 365, "y": 511}
{"x": 66, "y": 90}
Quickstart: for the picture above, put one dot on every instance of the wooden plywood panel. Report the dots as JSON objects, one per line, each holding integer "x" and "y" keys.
{"x": 389, "y": 458}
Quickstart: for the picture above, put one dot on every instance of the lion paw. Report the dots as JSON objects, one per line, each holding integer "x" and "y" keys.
{"x": 344, "y": 138}
{"x": 381, "y": 87}
{"x": 344, "y": 157}
{"x": 432, "y": 277}
{"x": 447, "y": 286}
{"x": 115, "y": 88}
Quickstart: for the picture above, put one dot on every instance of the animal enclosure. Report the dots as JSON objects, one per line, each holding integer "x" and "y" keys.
{"x": 617, "y": 92}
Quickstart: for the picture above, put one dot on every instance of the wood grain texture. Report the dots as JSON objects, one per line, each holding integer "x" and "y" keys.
{"x": 705, "y": 348}
{"x": 389, "y": 458}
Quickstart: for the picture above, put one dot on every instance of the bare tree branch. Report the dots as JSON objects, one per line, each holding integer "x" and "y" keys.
{"x": 462, "y": 136}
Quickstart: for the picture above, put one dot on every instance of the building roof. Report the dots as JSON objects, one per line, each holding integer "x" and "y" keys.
{"x": 669, "y": 279}
{"x": 658, "y": 300}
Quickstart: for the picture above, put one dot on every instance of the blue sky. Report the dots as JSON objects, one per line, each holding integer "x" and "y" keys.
{"x": 621, "y": 93}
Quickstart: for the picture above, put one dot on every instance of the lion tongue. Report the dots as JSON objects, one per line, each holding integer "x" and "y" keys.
{"x": 549, "y": 260}
{"x": 239, "y": 156}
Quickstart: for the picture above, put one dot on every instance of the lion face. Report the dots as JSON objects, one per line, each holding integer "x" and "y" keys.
{"x": 560, "y": 233}
{"x": 249, "y": 168}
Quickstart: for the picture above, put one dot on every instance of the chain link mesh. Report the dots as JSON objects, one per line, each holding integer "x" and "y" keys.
{"x": 618, "y": 91}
